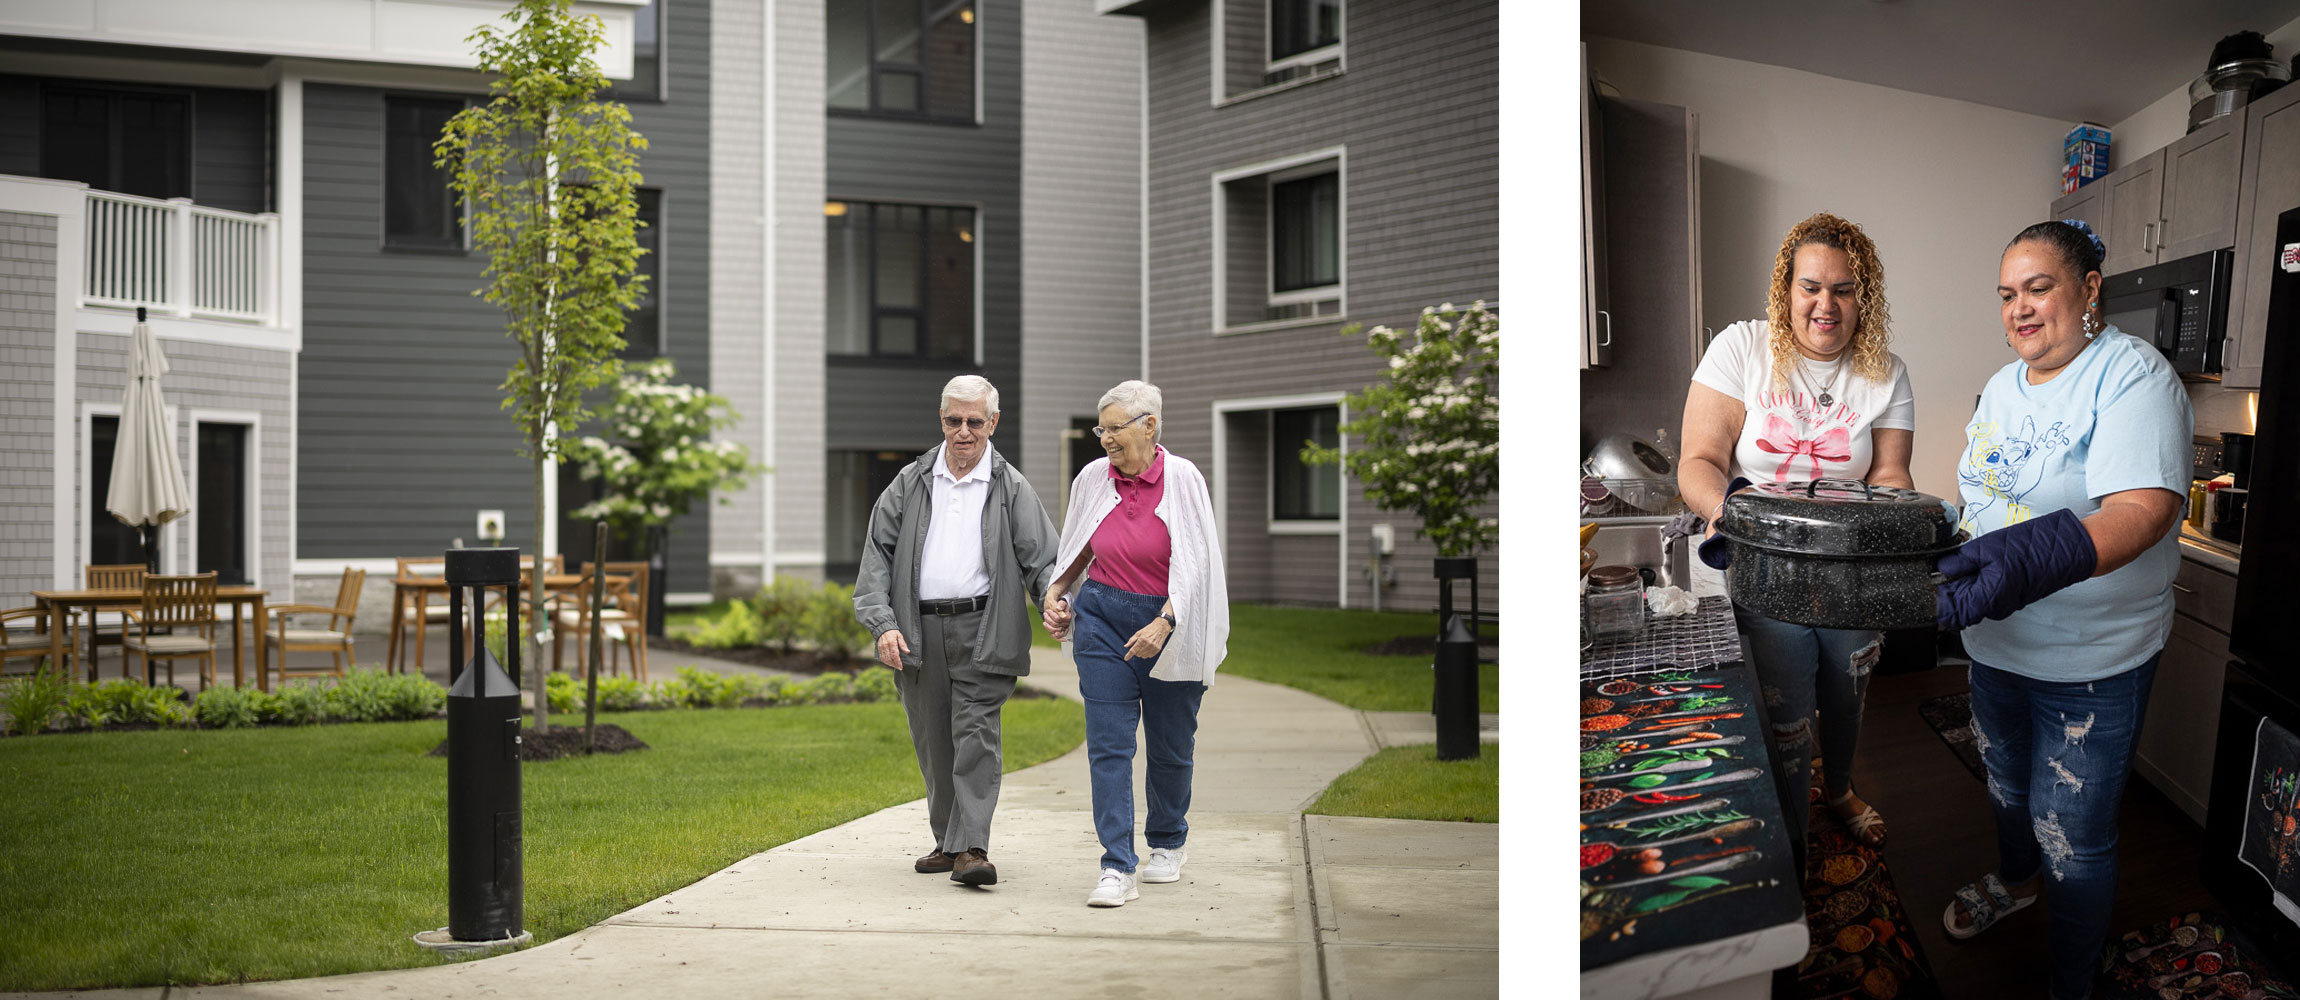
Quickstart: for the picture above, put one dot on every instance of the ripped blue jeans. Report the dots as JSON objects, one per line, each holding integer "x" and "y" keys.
{"x": 1810, "y": 678}
{"x": 2057, "y": 755}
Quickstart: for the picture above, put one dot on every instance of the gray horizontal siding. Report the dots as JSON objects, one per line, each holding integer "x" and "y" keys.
{"x": 404, "y": 438}
{"x": 1421, "y": 191}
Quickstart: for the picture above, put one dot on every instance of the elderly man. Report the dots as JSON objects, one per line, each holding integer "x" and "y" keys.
{"x": 959, "y": 547}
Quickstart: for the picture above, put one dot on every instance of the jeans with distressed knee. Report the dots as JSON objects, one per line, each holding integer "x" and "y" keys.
{"x": 2057, "y": 754}
{"x": 1813, "y": 681}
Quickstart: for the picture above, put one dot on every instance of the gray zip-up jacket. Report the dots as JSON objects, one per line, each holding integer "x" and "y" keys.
{"x": 1018, "y": 544}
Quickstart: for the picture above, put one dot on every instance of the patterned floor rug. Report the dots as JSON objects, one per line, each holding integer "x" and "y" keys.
{"x": 1951, "y": 716}
{"x": 2195, "y": 955}
{"x": 1861, "y": 943}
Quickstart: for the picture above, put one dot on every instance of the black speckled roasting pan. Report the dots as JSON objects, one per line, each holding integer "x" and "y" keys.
{"x": 1837, "y": 553}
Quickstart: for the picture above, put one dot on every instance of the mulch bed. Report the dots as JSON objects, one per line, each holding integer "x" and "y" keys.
{"x": 555, "y": 742}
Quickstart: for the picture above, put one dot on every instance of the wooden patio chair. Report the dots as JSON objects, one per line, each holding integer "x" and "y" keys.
{"x": 24, "y": 633}
{"x": 335, "y": 638}
{"x": 107, "y": 626}
{"x": 419, "y": 609}
{"x": 173, "y": 602}
{"x": 623, "y": 616}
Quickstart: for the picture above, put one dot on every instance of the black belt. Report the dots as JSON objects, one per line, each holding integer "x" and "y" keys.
{"x": 955, "y": 607}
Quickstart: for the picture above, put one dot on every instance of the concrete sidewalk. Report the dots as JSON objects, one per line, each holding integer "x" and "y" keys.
{"x": 1271, "y": 903}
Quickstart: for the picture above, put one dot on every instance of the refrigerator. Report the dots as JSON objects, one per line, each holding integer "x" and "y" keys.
{"x": 2252, "y": 856}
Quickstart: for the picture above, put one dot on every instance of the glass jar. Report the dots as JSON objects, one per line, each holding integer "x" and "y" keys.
{"x": 1614, "y": 606}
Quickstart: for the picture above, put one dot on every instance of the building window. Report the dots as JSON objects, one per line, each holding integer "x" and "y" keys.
{"x": 131, "y": 142}
{"x": 852, "y": 482}
{"x": 643, "y": 334}
{"x": 901, "y": 280}
{"x": 110, "y": 543}
{"x": 1280, "y": 255}
{"x": 909, "y": 58}
{"x": 646, "y": 82}
{"x": 419, "y": 212}
{"x": 1301, "y": 27}
{"x": 222, "y": 508}
{"x": 1299, "y": 491}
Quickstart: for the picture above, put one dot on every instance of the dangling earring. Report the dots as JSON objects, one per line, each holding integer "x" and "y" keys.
{"x": 2092, "y": 326}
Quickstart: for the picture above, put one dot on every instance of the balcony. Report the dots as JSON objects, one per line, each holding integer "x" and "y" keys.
{"x": 181, "y": 259}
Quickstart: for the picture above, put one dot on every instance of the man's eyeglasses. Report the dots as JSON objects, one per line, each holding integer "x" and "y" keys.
{"x": 1103, "y": 432}
{"x": 970, "y": 423}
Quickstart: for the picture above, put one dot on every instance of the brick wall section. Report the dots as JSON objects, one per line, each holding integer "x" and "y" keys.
{"x": 27, "y": 404}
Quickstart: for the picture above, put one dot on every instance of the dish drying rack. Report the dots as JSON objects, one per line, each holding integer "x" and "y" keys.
{"x": 1630, "y": 497}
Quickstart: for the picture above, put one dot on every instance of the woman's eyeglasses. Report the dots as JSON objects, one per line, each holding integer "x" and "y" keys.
{"x": 1103, "y": 432}
{"x": 971, "y": 423}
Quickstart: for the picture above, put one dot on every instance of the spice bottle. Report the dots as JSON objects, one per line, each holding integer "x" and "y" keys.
{"x": 1615, "y": 603}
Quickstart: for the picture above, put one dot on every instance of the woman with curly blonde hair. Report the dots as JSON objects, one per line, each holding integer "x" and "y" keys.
{"x": 1808, "y": 393}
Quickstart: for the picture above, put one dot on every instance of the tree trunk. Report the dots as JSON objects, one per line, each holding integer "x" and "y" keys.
{"x": 538, "y": 669}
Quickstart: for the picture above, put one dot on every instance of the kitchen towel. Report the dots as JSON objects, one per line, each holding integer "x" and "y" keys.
{"x": 2272, "y": 815}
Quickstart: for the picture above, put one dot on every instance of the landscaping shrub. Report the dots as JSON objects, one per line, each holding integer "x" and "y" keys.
{"x": 620, "y": 694}
{"x": 359, "y": 696}
{"x": 876, "y": 684}
{"x": 565, "y": 694}
{"x": 33, "y": 702}
{"x": 100, "y": 705}
{"x": 738, "y": 628}
{"x": 294, "y": 704}
{"x": 226, "y": 707}
{"x": 831, "y": 686}
{"x": 785, "y": 608}
{"x": 407, "y": 697}
{"x": 831, "y": 624}
{"x": 163, "y": 706}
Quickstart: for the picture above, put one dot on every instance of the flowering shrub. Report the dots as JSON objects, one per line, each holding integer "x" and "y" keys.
{"x": 1428, "y": 442}
{"x": 663, "y": 458}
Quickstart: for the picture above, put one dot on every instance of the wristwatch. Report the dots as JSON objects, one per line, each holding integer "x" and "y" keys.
{"x": 1170, "y": 622}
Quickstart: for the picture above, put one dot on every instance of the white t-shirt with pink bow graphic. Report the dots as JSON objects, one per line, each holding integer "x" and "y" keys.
{"x": 1787, "y": 435}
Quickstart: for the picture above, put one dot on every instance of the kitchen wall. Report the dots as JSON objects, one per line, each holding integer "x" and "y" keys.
{"x": 2150, "y": 129}
{"x": 1939, "y": 184}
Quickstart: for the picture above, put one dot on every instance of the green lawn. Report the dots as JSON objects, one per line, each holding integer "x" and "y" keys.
{"x": 1321, "y": 650}
{"x": 184, "y": 857}
{"x": 1411, "y": 783}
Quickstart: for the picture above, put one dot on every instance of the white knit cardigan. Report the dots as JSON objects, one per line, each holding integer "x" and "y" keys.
{"x": 1195, "y": 579}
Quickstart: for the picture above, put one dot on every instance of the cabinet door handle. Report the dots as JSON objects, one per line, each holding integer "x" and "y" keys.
{"x": 2148, "y": 236}
{"x": 2182, "y": 589}
{"x": 1608, "y": 318}
{"x": 2161, "y": 227}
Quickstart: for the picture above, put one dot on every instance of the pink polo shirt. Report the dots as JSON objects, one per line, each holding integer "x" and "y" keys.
{"x": 1131, "y": 546}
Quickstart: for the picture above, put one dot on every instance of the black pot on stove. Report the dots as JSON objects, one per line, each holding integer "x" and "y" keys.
{"x": 1837, "y": 553}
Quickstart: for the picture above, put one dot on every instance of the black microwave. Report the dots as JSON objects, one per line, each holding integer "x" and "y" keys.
{"x": 2181, "y": 306}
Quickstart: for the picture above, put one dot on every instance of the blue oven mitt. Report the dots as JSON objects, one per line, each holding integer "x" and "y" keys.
{"x": 1717, "y": 550}
{"x": 2010, "y": 568}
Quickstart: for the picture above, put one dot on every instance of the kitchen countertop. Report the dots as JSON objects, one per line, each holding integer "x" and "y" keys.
{"x": 2205, "y": 550}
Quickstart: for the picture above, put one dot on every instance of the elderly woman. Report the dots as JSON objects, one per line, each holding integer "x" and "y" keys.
{"x": 1151, "y": 623}
{"x": 2072, "y": 483}
{"x": 1810, "y": 392}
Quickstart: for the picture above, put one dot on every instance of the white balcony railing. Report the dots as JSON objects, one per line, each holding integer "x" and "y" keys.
{"x": 182, "y": 259}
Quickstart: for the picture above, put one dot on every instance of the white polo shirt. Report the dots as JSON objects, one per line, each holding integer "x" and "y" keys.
{"x": 950, "y": 564}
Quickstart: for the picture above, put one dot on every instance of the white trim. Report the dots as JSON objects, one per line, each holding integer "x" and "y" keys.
{"x": 771, "y": 329}
{"x": 1340, "y": 291}
{"x": 979, "y": 17}
{"x": 1223, "y": 408}
{"x": 1216, "y": 59}
{"x": 686, "y": 598}
{"x": 385, "y": 567}
{"x": 981, "y": 236}
{"x": 252, "y": 509}
{"x": 735, "y": 559}
{"x": 1304, "y": 527}
{"x": 1336, "y": 320}
{"x": 122, "y": 323}
{"x": 803, "y": 557}
{"x": 289, "y": 153}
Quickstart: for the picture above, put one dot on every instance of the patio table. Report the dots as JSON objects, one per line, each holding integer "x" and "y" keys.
{"x": 410, "y": 593}
{"x": 61, "y": 603}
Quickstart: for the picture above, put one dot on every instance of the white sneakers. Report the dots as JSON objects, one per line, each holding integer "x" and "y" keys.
{"x": 1164, "y": 865}
{"x": 1114, "y": 888}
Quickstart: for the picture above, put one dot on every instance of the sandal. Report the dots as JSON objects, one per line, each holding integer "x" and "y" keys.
{"x": 1982, "y": 911}
{"x": 1866, "y": 826}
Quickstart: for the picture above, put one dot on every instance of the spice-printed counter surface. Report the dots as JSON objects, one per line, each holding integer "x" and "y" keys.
{"x": 1686, "y": 874}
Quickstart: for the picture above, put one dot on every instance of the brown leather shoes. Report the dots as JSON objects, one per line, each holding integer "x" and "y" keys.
{"x": 934, "y": 861}
{"x": 973, "y": 868}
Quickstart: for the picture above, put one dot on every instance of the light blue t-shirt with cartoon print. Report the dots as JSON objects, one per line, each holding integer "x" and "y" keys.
{"x": 2115, "y": 419}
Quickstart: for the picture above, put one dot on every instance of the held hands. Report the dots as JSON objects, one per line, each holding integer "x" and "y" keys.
{"x": 1150, "y": 640}
{"x": 1054, "y": 613}
{"x": 891, "y": 646}
{"x": 2015, "y": 566}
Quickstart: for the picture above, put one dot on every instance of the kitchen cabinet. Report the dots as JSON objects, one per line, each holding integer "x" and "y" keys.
{"x": 1649, "y": 159}
{"x": 2175, "y": 748}
{"x": 2135, "y": 199}
{"x": 2088, "y": 204}
{"x": 1596, "y": 322}
{"x": 2269, "y": 186}
{"x": 2176, "y": 202}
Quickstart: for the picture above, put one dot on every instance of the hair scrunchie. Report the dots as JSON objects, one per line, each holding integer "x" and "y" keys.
{"x": 2081, "y": 226}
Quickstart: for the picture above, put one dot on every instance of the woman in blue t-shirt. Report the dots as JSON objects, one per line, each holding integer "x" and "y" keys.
{"x": 2072, "y": 478}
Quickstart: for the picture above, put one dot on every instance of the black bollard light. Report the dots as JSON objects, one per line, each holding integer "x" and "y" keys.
{"x": 485, "y": 883}
{"x": 1454, "y": 699}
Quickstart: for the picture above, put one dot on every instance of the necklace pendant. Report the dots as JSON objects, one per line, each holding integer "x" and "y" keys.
{"x": 1827, "y": 401}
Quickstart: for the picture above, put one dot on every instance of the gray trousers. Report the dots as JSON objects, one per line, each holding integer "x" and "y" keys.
{"x": 953, "y": 710}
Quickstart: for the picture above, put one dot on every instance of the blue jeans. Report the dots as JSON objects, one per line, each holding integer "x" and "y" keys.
{"x": 1810, "y": 676}
{"x": 1119, "y": 693}
{"x": 2057, "y": 755}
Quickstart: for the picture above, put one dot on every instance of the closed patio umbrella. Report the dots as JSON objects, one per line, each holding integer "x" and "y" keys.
{"x": 147, "y": 481}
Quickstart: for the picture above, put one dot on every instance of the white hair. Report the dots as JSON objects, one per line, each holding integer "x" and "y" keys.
{"x": 1137, "y": 397}
{"x": 968, "y": 388}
